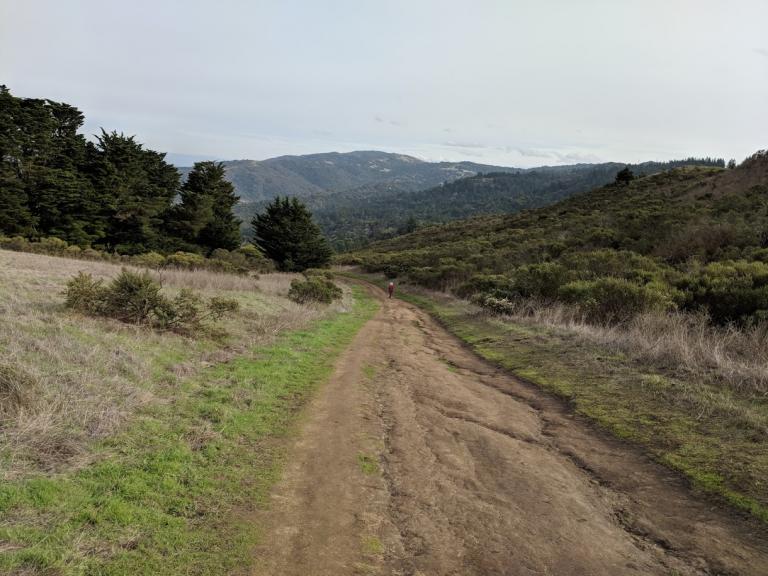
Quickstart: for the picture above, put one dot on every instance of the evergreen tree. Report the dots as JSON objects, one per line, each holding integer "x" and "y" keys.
{"x": 286, "y": 233}
{"x": 625, "y": 176}
{"x": 204, "y": 217}
{"x": 138, "y": 187}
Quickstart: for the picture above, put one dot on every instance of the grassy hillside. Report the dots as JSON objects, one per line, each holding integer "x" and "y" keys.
{"x": 128, "y": 450}
{"x": 692, "y": 239}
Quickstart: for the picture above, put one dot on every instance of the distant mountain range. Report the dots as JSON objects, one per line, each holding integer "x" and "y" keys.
{"x": 319, "y": 174}
{"x": 359, "y": 197}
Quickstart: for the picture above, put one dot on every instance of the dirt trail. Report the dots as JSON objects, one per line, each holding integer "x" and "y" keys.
{"x": 478, "y": 474}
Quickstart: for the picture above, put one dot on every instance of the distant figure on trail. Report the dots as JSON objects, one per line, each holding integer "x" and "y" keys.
{"x": 391, "y": 289}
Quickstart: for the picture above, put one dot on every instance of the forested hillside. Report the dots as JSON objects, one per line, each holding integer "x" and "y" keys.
{"x": 353, "y": 218}
{"x": 319, "y": 174}
{"x": 692, "y": 238}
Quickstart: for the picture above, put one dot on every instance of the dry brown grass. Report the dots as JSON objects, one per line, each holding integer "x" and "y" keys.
{"x": 683, "y": 343}
{"x": 67, "y": 380}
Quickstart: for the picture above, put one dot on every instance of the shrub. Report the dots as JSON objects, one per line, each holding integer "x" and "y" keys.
{"x": 730, "y": 291}
{"x": 319, "y": 272}
{"x": 246, "y": 258}
{"x": 49, "y": 246}
{"x": 616, "y": 299}
{"x": 149, "y": 260}
{"x": 133, "y": 297}
{"x": 16, "y": 243}
{"x": 85, "y": 294}
{"x": 539, "y": 280}
{"x": 186, "y": 260}
{"x": 495, "y": 305}
{"x": 315, "y": 288}
{"x": 495, "y": 285}
{"x": 137, "y": 299}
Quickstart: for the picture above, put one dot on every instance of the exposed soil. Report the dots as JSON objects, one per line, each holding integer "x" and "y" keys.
{"x": 478, "y": 474}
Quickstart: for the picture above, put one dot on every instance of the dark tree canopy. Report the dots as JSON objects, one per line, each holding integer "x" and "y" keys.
{"x": 625, "y": 175}
{"x": 112, "y": 194}
{"x": 204, "y": 216}
{"x": 286, "y": 233}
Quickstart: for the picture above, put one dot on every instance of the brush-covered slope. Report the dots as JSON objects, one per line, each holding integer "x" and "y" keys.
{"x": 356, "y": 217}
{"x": 691, "y": 238}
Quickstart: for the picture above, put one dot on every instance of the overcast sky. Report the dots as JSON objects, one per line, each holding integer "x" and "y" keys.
{"x": 520, "y": 83}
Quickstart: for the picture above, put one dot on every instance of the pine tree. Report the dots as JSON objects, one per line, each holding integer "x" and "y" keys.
{"x": 286, "y": 233}
{"x": 625, "y": 176}
{"x": 204, "y": 218}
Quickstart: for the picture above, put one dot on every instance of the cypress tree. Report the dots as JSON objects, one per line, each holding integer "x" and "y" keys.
{"x": 286, "y": 233}
{"x": 204, "y": 217}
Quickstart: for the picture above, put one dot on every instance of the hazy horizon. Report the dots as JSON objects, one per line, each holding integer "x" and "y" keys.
{"x": 507, "y": 83}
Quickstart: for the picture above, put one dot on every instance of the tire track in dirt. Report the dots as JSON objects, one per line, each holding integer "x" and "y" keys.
{"x": 479, "y": 474}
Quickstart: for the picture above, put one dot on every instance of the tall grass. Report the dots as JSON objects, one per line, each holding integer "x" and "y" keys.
{"x": 67, "y": 380}
{"x": 689, "y": 343}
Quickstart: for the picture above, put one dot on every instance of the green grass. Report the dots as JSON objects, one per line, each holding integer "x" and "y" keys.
{"x": 719, "y": 453}
{"x": 172, "y": 493}
{"x": 368, "y": 464}
{"x": 372, "y": 545}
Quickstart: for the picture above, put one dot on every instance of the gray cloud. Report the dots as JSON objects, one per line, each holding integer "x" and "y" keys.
{"x": 309, "y": 81}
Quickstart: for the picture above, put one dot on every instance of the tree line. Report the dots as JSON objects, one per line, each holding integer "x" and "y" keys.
{"x": 115, "y": 195}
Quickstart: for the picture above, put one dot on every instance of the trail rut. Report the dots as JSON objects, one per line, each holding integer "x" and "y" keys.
{"x": 419, "y": 458}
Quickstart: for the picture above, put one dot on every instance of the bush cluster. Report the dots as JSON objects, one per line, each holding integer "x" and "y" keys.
{"x": 137, "y": 298}
{"x": 317, "y": 286}
{"x": 244, "y": 260}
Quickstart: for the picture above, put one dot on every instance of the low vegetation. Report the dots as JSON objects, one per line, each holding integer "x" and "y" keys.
{"x": 318, "y": 286}
{"x": 243, "y": 260}
{"x": 136, "y": 298}
{"x": 127, "y": 449}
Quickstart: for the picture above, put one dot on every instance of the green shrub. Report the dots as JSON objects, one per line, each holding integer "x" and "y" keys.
{"x": 315, "y": 288}
{"x": 495, "y": 285}
{"x": 86, "y": 295}
{"x": 133, "y": 298}
{"x": 137, "y": 299}
{"x": 49, "y": 246}
{"x": 320, "y": 272}
{"x": 149, "y": 260}
{"x": 16, "y": 243}
{"x": 539, "y": 280}
{"x": 186, "y": 260}
{"x": 616, "y": 299}
{"x": 730, "y": 291}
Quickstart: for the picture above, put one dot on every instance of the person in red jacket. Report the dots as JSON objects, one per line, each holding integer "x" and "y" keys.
{"x": 391, "y": 289}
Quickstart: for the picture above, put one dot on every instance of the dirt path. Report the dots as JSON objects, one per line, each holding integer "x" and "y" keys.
{"x": 418, "y": 458}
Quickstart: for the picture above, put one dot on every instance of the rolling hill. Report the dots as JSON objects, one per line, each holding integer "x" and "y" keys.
{"x": 318, "y": 174}
{"x": 358, "y": 197}
{"x": 692, "y": 238}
